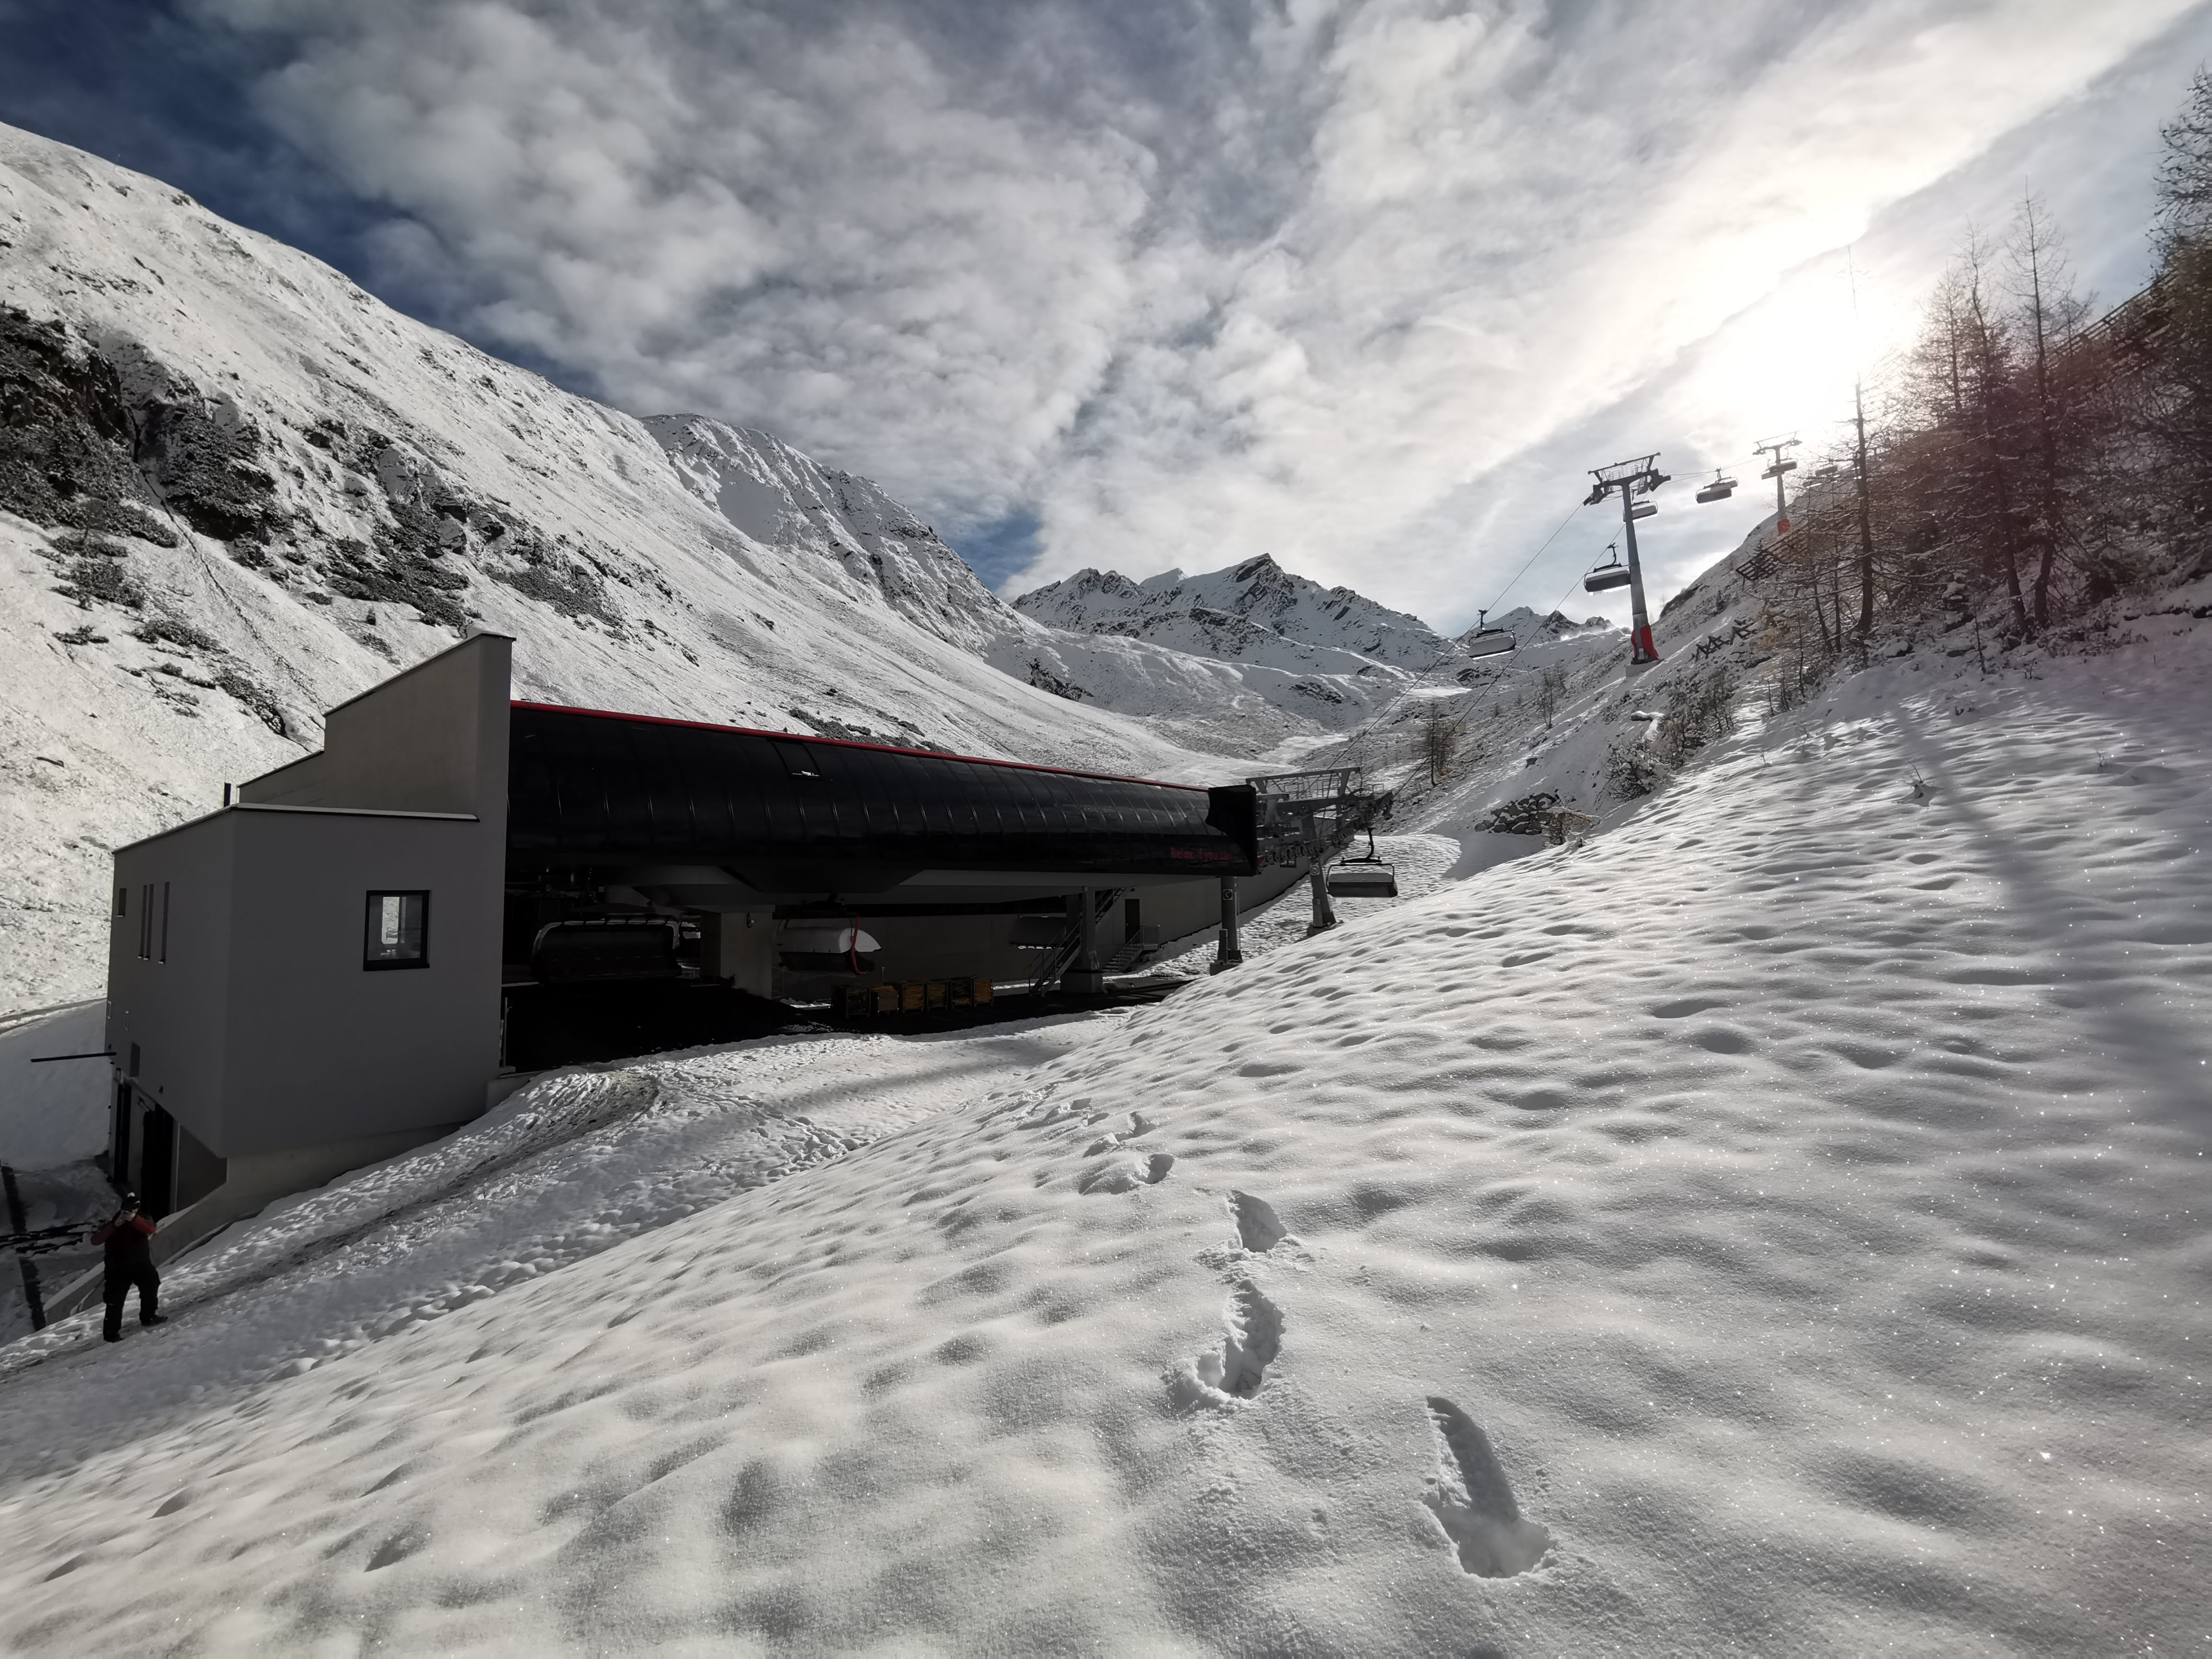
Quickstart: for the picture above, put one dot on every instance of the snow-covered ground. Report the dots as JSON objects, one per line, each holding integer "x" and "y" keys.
{"x": 577, "y": 1161}
{"x": 1774, "y": 1224}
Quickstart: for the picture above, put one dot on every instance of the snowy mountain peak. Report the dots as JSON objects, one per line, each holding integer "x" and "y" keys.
{"x": 1255, "y": 607}
{"x": 773, "y": 495}
{"x": 1524, "y": 622}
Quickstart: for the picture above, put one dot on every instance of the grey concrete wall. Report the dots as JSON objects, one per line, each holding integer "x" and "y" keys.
{"x": 319, "y": 1048}
{"x": 262, "y": 1032}
{"x": 431, "y": 739}
{"x": 299, "y": 784}
{"x": 176, "y": 1011}
{"x": 743, "y": 951}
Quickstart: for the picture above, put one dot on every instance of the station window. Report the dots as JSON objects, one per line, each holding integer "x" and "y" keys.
{"x": 398, "y": 931}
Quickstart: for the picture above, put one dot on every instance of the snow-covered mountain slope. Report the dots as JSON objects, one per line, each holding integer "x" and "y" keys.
{"x": 235, "y": 489}
{"x": 1212, "y": 703}
{"x": 1531, "y": 630}
{"x": 1772, "y": 1225}
{"x": 1605, "y": 744}
{"x": 1254, "y": 612}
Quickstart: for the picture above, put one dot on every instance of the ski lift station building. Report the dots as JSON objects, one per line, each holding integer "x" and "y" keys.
{"x": 328, "y": 970}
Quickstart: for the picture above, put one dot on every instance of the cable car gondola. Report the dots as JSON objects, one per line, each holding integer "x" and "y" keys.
{"x": 1488, "y": 641}
{"x": 1719, "y": 489}
{"x": 1367, "y": 877}
{"x": 1607, "y": 576}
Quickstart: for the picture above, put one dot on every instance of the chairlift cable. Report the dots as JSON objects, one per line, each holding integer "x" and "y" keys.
{"x": 1533, "y": 557}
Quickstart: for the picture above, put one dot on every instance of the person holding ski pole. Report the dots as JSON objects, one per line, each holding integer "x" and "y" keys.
{"x": 128, "y": 1238}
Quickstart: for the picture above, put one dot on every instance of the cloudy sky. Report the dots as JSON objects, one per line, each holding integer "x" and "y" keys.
{"x": 1155, "y": 283}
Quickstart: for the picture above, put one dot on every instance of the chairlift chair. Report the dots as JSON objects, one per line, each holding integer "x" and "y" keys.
{"x": 1488, "y": 641}
{"x": 1779, "y": 469}
{"x": 1611, "y": 574}
{"x": 1365, "y": 877}
{"x": 1719, "y": 489}
{"x": 1644, "y": 510}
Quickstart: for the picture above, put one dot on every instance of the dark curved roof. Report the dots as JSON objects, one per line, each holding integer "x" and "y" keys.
{"x": 585, "y": 786}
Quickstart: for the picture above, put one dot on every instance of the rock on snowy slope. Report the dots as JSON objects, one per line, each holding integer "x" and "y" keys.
{"x": 1772, "y": 1227}
{"x": 235, "y": 489}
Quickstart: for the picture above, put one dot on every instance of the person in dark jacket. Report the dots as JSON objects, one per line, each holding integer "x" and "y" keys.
{"x": 129, "y": 1241}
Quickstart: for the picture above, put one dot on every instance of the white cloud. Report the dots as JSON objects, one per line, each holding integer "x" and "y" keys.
{"x": 1344, "y": 282}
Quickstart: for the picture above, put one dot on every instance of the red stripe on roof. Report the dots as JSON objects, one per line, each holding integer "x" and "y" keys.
{"x": 848, "y": 743}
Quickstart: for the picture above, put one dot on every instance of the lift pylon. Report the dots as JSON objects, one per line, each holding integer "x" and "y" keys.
{"x": 1633, "y": 479}
{"x": 1781, "y": 465}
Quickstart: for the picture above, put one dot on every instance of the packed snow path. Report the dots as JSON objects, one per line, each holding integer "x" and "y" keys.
{"x": 1774, "y": 1226}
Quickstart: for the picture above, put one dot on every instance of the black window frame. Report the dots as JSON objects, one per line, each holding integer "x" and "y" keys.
{"x": 370, "y": 908}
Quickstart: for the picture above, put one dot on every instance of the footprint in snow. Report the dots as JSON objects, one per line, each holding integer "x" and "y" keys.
{"x": 1127, "y": 1177}
{"x": 1472, "y": 1501}
{"x": 1259, "y": 1228}
{"x": 1260, "y": 1231}
{"x": 1252, "y": 1341}
{"x": 1140, "y": 1125}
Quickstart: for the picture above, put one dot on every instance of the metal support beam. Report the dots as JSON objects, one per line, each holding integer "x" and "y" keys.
{"x": 1640, "y": 645}
{"x": 1324, "y": 913}
{"x": 1227, "y": 955}
{"x": 1085, "y": 978}
{"x": 1639, "y": 476}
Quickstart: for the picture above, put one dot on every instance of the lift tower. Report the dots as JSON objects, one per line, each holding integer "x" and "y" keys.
{"x": 1778, "y": 448}
{"x": 1631, "y": 479}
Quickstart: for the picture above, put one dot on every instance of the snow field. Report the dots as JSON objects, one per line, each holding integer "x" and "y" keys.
{"x": 1774, "y": 1225}
{"x": 575, "y": 1162}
